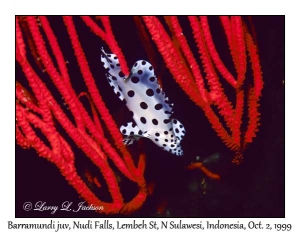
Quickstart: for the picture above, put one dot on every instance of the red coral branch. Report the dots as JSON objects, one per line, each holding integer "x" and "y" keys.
{"x": 199, "y": 165}
{"x": 108, "y": 37}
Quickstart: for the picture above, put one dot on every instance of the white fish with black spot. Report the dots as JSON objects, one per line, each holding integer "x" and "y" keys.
{"x": 150, "y": 108}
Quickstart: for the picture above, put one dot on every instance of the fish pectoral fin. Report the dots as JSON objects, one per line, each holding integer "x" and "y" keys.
{"x": 146, "y": 135}
{"x": 178, "y": 129}
{"x": 132, "y": 133}
{"x": 131, "y": 129}
{"x": 130, "y": 140}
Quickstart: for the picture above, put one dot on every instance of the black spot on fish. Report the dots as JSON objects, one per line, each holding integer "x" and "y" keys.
{"x": 150, "y": 92}
{"x": 135, "y": 79}
{"x": 114, "y": 78}
{"x": 150, "y": 68}
{"x": 155, "y": 122}
{"x": 166, "y": 121}
{"x": 166, "y": 132}
{"x": 143, "y": 105}
{"x": 152, "y": 79}
{"x": 130, "y": 93}
{"x": 124, "y": 131}
{"x": 157, "y": 134}
{"x": 158, "y": 106}
{"x": 140, "y": 132}
{"x": 143, "y": 120}
{"x": 176, "y": 130}
{"x": 157, "y": 90}
{"x": 121, "y": 74}
{"x": 143, "y": 63}
{"x": 140, "y": 72}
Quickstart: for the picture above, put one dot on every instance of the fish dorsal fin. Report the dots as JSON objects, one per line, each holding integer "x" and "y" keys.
{"x": 114, "y": 73}
{"x": 178, "y": 129}
{"x": 114, "y": 84}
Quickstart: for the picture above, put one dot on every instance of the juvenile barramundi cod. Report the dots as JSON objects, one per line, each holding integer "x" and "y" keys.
{"x": 150, "y": 108}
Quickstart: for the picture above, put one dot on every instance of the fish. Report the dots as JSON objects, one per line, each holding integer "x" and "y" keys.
{"x": 150, "y": 108}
